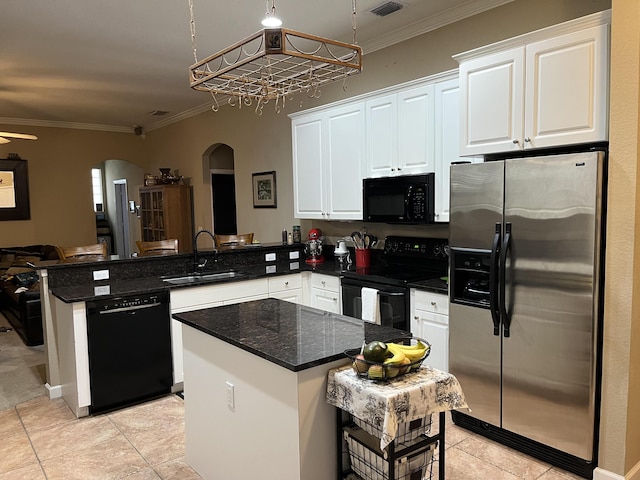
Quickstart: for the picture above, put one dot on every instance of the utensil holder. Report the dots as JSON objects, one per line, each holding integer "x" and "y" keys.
{"x": 363, "y": 257}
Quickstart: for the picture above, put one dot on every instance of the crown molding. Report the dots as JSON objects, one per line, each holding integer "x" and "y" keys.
{"x": 55, "y": 124}
{"x": 455, "y": 14}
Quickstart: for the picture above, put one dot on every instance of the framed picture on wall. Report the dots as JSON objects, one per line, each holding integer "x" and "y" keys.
{"x": 264, "y": 190}
{"x": 14, "y": 190}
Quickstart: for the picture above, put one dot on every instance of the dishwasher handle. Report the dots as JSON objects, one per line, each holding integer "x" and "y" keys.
{"x": 129, "y": 310}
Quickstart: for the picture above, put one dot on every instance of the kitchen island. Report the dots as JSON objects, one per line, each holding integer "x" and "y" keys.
{"x": 255, "y": 385}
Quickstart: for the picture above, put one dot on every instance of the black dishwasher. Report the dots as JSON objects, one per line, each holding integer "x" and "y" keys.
{"x": 129, "y": 350}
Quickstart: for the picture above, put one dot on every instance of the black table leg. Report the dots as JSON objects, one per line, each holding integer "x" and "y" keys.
{"x": 442, "y": 420}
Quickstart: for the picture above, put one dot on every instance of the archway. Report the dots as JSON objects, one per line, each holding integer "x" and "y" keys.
{"x": 220, "y": 160}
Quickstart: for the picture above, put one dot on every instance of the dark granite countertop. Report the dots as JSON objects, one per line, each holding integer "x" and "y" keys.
{"x": 293, "y": 336}
{"x": 142, "y": 285}
{"x": 435, "y": 285}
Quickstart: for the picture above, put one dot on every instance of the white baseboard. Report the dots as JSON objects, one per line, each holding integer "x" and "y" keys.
{"x": 54, "y": 391}
{"x": 601, "y": 474}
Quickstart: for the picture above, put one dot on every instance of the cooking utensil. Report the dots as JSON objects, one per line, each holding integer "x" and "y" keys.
{"x": 357, "y": 239}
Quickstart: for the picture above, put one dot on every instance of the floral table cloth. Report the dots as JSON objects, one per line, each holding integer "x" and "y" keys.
{"x": 387, "y": 404}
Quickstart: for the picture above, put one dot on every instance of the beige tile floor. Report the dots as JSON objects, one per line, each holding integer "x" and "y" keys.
{"x": 42, "y": 440}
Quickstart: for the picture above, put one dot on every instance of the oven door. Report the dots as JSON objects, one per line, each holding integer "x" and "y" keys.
{"x": 394, "y": 308}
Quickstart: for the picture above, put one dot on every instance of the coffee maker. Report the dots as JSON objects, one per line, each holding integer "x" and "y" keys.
{"x": 313, "y": 247}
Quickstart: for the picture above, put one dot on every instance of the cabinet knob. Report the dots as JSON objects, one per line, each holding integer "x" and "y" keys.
{"x": 286, "y": 284}
{"x": 416, "y": 318}
{"x": 393, "y": 169}
{"x": 335, "y": 300}
{"x": 527, "y": 140}
{"x": 322, "y": 283}
{"x": 399, "y": 169}
{"x": 433, "y": 304}
{"x": 516, "y": 141}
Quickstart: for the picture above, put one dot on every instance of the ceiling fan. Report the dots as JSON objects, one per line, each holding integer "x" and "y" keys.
{"x": 5, "y": 136}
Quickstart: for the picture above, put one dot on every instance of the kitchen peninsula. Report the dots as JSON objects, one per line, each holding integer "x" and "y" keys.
{"x": 255, "y": 383}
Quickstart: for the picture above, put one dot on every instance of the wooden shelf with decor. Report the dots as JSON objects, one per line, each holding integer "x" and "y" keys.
{"x": 166, "y": 211}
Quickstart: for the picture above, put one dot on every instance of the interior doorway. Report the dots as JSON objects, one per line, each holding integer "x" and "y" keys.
{"x": 219, "y": 158}
{"x": 122, "y": 219}
{"x": 223, "y": 190}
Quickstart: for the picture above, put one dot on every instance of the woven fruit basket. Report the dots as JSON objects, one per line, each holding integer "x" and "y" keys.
{"x": 389, "y": 360}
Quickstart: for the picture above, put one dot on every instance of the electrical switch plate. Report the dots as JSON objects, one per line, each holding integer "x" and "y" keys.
{"x": 294, "y": 265}
{"x": 294, "y": 255}
{"x": 102, "y": 290}
{"x": 231, "y": 402}
{"x": 270, "y": 269}
{"x": 270, "y": 257}
{"x": 101, "y": 275}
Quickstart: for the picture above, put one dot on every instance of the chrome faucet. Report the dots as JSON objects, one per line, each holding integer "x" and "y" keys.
{"x": 198, "y": 263}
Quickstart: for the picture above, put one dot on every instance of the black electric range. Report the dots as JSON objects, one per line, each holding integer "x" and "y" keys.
{"x": 405, "y": 261}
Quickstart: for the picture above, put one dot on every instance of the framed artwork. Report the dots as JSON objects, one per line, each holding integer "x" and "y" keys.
{"x": 264, "y": 190}
{"x": 14, "y": 190}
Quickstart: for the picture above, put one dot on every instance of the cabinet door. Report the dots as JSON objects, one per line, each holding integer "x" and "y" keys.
{"x": 382, "y": 136}
{"x": 325, "y": 300}
{"x": 492, "y": 102}
{"x": 415, "y": 131}
{"x": 447, "y": 142}
{"x": 344, "y": 162}
{"x": 566, "y": 89}
{"x": 308, "y": 180}
{"x": 429, "y": 326}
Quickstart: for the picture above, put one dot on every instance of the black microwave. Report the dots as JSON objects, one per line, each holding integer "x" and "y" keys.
{"x": 406, "y": 199}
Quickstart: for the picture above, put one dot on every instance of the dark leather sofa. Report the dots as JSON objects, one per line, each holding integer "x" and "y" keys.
{"x": 20, "y": 289}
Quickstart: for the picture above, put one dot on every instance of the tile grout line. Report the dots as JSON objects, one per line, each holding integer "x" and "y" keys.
{"x": 134, "y": 447}
{"x": 35, "y": 453}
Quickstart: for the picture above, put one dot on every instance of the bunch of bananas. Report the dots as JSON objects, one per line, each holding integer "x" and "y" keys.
{"x": 397, "y": 359}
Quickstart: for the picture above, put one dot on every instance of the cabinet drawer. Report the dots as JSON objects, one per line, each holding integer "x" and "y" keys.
{"x": 325, "y": 282}
{"x": 285, "y": 283}
{"x": 430, "y": 302}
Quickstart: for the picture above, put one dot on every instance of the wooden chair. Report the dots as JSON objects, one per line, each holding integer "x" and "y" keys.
{"x": 160, "y": 247}
{"x": 232, "y": 240}
{"x": 98, "y": 251}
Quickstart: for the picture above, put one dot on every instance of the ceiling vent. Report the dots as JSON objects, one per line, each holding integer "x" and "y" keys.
{"x": 386, "y": 8}
{"x": 158, "y": 113}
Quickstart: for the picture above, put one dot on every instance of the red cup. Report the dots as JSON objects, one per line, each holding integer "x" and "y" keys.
{"x": 363, "y": 257}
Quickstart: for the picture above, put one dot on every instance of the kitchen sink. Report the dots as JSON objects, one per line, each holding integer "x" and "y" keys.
{"x": 203, "y": 278}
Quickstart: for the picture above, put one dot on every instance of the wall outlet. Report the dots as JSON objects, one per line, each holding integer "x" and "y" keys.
{"x": 231, "y": 401}
{"x": 294, "y": 255}
{"x": 270, "y": 257}
{"x": 294, "y": 265}
{"x": 270, "y": 269}
{"x": 101, "y": 275}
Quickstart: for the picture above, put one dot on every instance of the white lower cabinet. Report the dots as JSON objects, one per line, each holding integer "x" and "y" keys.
{"x": 287, "y": 287}
{"x": 430, "y": 321}
{"x": 325, "y": 293}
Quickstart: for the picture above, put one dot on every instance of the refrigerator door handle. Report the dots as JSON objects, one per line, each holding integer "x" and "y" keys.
{"x": 506, "y": 319}
{"x": 494, "y": 280}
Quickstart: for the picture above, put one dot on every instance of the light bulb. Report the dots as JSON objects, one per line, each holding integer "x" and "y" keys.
{"x": 271, "y": 21}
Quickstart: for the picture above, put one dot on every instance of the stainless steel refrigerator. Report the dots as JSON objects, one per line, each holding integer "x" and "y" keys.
{"x": 526, "y": 245}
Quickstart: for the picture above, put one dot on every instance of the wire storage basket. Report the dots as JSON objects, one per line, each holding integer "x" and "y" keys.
{"x": 407, "y": 432}
{"x": 369, "y": 463}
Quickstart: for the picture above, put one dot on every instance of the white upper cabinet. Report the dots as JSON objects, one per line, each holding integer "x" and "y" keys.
{"x": 567, "y": 83}
{"x": 404, "y": 130}
{"x": 328, "y": 159}
{"x": 491, "y": 96}
{"x": 400, "y": 132}
{"x": 447, "y": 135}
{"x": 544, "y": 89}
